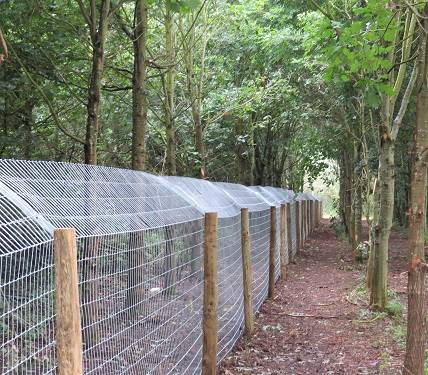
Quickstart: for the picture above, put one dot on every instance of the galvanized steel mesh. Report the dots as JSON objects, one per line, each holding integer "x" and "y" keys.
{"x": 140, "y": 241}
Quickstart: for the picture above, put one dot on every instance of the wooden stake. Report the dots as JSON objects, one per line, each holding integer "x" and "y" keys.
{"x": 272, "y": 249}
{"x": 304, "y": 221}
{"x": 298, "y": 226}
{"x": 283, "y": 256}
{"x": 289, "y": 234}
{"x": 246, "y": 271}
{"x": 68, "y": 333}
{"x": 210, "y": 309}
{"x": 316, "y": 212}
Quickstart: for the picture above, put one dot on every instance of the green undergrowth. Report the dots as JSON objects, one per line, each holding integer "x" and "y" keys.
{"x": 338, "y": 228}
{"x": 394, "y": 316}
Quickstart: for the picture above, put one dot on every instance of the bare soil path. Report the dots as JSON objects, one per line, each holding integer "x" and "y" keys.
{"x": 318, "y": 321}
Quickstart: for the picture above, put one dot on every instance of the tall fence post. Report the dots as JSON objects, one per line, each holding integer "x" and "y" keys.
{"x": 210, "y": 309}
{"x": 289, "y": 233}
{"x": 308, "y": 218}
{"x": 312, "y": 203}
{"x": 68, "y": 333}
{"x": 304, "y": 221}
{"x": 282, "y": 228}
{"x": 298, "y": 227}
{"x": 246, "y": 271}
{"x": 316, "y": 212}
{"x": 272, "y": 248}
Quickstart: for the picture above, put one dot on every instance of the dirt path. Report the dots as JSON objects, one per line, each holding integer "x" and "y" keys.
{"x": 318, "y": 322}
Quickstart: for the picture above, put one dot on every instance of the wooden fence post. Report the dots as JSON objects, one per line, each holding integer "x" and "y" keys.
{"x": 312, "y": 203}
{"x": 298, "y": 227}
{"x": 246, "y": 271}
{"x": 289, "y": 233}
{"x": 283, "y": 256}
{"x": 304, "y": 221}
{"x": 210, "y": 309}
{"x": 318, "y": 212}
{"x": 272, "y": 248}
{"x": 68, "y": 333}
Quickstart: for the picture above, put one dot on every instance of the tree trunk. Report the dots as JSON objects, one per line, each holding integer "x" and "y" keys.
{"x": 358, "y": 203}
{"x": 135, "y": 294}
{"x": 416, "y": 320}
{"x": 139, "y": 95}
{"x": 386, "y": 171}
{"x": 98, "y": 38}
{"x": 370, "y": 262}
{"x": 194, "y": 87}
{"x": 28, "y": 124}
{"x": 243, "y": 164}
{"x": 382, "y": 228}
{"x": 90, "y": 290}
{"x": 170, "y": 262}
{"x": 358, "y": 212}
{"x": 171, "y": 165}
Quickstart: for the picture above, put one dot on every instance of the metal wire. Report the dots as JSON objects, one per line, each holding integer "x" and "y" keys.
{"x": 140, "y": 261}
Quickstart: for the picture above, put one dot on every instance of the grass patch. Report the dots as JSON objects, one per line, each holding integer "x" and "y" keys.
{"x": 398, "y": 332}
{"x": 394, "y": 308}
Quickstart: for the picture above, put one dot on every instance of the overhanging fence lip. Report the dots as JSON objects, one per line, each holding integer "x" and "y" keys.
{"x": 244, "y": 197}
{"x": 207, "y": 191}
{"x": 121, "y": 200}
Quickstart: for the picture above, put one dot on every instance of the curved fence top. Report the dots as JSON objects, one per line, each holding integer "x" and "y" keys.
{"x": 206, "y": 196}
{"x": 244, "y": 196}
{"x": 288, "y": 195}
{"x": 94, "y": 200}
{"x": 271, "y": 199}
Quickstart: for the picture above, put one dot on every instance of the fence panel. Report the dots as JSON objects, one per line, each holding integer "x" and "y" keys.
{"x": 140, "y": 241}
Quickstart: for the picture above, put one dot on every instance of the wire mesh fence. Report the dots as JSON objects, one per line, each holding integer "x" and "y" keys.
{"x": 140, "y": 247}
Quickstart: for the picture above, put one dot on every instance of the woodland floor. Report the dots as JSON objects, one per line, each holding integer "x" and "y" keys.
{"x": 319, "y": 322}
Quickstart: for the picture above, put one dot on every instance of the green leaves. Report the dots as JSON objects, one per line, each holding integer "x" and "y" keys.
{"x": 183, "y": 5}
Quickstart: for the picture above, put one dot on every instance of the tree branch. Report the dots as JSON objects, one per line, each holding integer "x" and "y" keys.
{"x": 47, "y": 101}
{"x": 404, "y": 102}
{"x": 3, "y": 46}
{"x": 84, "y": 13}
{"x": 316, "y": 5}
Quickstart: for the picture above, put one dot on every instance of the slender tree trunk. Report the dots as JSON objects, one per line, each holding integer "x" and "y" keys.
{"x": 98, "y": 32}
{"x": 358, "y": 210}
{"x": 171, "y": 165}
{"x": 139, "y": 95}
{"x": 28, "y": 124}
{"x": 386, "y": 171}
{"x": 416, "y": 320}
{"x": 98, "y": 38}
{"x": 195, "y": 84}
{"x": 382, "y": 229}
{"x": 243, "y": 164}
{"x": 139, "y": 120}
{"x": 370, "y": 262}
{"x": 358, "y": 203}
{"x": 170, "y": 262}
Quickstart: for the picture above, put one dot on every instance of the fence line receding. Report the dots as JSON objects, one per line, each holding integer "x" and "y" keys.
{"x": 140, "y": 262}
